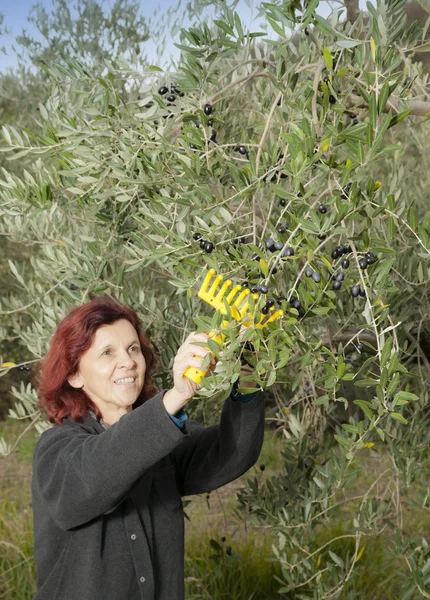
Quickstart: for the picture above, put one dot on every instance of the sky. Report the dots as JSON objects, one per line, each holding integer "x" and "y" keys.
{"x": 15, "y": 14}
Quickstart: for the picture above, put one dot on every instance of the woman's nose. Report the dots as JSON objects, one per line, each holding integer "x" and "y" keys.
{"x": 127, "y": 359}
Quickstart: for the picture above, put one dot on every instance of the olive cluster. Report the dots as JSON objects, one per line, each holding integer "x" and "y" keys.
{"x": 255, "y": 289}
{"x": 207, "y": 109}
{"x": 358, "y": 290}
{"x": 368, "y": 259}
{"x": 295, "y": 303}
{"x": 311, "y": 273}
{"x": 345, "y": 191}
{"x": 275, "y": 246}
{"x": 269, "y": 301}
{"x": 354, "y": 119}
{"x": 342, "y": 249}
{"x": 337, "y": 280}
{"x": 204, "y": 244}
{"x": 170, "y": 97}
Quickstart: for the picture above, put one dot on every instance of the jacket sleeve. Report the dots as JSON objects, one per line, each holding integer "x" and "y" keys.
{"x": 81, "y": 476}
{"x": 181, "y": 416}
{"x": 212, "y": 456}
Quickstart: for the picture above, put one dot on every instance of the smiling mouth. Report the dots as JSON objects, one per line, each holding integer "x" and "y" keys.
{"x": 126, "y": 384}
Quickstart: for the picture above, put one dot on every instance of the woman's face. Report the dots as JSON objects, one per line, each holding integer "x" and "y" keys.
{"x": 115, "y": 354}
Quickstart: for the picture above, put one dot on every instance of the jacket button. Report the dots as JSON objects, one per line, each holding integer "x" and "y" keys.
{"x": 142, "y": 579}
{"x": 133, "y": 536}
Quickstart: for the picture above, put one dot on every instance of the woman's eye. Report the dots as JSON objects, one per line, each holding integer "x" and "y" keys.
{"x": 134, "y": 348}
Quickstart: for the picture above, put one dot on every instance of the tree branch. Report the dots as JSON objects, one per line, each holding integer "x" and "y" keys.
{"x": 352, "y": 10}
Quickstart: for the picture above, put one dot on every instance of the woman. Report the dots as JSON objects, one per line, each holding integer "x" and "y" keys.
{"x": 109, "y": 475}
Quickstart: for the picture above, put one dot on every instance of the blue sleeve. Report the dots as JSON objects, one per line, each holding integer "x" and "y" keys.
{"x": 241, "y": 397}
{"x": 179, "y": 418}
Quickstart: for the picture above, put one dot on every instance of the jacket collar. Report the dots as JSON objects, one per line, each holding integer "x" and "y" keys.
{"x": 89, "y": 423}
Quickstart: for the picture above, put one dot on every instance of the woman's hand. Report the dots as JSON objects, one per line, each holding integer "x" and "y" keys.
{"x": 190, "y": 355}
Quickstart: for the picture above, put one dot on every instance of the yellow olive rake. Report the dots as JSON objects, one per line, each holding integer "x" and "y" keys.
{"x": 238, "y": 312}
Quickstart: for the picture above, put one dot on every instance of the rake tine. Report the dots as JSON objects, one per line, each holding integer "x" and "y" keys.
{"x": 245, "y": 307}
{"x": 233, "y": 292}
{"x": 204, "y": 286}
{"x": 222, "y": 291}
{"x": 271, "y": 318}
{"x": 215, "y": 285}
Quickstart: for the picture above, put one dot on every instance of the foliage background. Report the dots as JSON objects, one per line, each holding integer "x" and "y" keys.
{"x": 97, "y": 197}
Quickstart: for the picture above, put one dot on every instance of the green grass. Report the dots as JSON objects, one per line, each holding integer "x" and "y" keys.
{"x": 245, "y": 573}
{"x": 17, "y": 568}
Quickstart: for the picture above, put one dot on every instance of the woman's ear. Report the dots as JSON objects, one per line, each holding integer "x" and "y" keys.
{"x": 75, "y": 381}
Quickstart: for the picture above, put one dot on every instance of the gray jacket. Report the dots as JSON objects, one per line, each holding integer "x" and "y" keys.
{"x": 107, "y": 511}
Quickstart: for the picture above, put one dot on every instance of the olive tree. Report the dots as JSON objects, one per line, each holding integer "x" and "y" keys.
{"x": 294, "y": 173}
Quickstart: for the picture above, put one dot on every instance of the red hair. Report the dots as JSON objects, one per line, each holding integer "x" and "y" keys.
{"x": 72, "y": 338}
